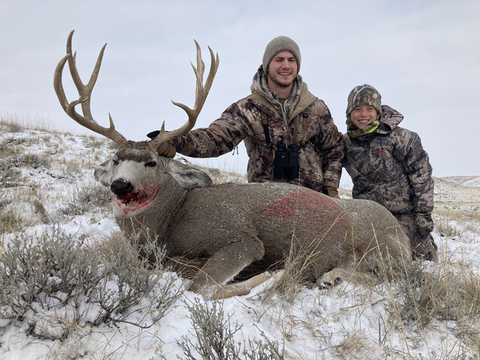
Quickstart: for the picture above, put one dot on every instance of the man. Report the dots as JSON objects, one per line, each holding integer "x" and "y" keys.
{"x": 289, "y": 133}
{"x": 388, "y": 165}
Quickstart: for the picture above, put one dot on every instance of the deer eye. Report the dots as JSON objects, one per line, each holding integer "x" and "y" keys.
{"x": 151, "y": 164}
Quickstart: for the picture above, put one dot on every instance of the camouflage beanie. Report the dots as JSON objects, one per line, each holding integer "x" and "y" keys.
{"x": 279, "y": 44}
{"x": 364, "y": 95}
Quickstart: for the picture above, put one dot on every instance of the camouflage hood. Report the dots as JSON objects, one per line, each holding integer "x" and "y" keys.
{"x": 389, "y": 120}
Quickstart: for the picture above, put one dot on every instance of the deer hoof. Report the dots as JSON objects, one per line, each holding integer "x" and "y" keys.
{"x": 325, "y": 285}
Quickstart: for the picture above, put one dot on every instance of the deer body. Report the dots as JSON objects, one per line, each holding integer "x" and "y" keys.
{"x": 243, "y": 228}
{"x": 231, "y": 228}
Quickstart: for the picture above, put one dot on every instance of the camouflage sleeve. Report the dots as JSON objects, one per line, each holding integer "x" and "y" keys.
{"x": 331, "y": 146}
{"x": 418, "y": 169}
{"x": 221, "y": 137}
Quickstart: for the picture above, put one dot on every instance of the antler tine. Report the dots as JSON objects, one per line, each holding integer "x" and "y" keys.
{"x": 201, "y": 93}
{"x": 85, "y": 92}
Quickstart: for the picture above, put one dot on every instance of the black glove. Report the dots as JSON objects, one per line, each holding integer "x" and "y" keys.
{"x": 424, "y": 223}
{"x": 330, "y": 191}
{"x": 153, "y": 134}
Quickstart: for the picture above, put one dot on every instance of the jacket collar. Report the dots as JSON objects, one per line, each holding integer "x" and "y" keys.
{"x": 306, "y": 99}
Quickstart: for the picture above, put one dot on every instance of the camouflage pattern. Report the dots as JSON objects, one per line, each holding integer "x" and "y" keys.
{"x": 391, "y": 167}
{"x": 423, "y": 246}
{"x": 310, "y": 122}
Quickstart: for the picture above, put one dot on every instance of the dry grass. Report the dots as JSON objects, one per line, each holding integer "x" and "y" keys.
{"x": 17, "y": 123}
{"x": 454, "y": 223}
{"x": 297, "y": 271}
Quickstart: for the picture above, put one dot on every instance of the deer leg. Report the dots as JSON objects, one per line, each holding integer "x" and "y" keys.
{"x": 244, "y": 287}
{"x": 225, "y": 264}
{"x": 241, "y": 288}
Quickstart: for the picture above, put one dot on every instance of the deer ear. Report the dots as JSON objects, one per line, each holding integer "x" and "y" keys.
{"x": 103, "y": 173}
{"x": 187, "y": 176}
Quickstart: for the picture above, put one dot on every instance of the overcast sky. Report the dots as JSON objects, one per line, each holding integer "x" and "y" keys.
{"x": 422, "y": 56}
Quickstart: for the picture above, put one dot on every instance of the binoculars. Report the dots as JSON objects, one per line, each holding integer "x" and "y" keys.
{"x": 286, "y": 162}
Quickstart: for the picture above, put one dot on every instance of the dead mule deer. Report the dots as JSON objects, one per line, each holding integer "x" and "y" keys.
{"x": 230, "y": 228}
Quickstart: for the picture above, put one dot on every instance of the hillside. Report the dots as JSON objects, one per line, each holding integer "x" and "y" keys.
{"x": 458, "y": 191}
{"x": 48, "y": 195}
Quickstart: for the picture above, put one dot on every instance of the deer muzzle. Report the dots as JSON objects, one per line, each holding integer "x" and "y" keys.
{"x": 122, "y": 188}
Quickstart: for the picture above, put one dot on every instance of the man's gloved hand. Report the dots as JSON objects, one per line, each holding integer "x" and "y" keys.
{"x": 166, "y": 149}
{"x": 424, "y": 223}
{"x": 330, "y": 191}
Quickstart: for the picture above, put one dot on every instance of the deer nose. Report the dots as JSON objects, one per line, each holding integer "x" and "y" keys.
{"x": 121, "y": 187}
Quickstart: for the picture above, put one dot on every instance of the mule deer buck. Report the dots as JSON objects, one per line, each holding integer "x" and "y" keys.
{"x": 234, "y": 229}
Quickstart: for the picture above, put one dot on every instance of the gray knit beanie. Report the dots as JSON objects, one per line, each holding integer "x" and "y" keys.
{"x": 281, "y": 43}
{"x": 364, "y": 95}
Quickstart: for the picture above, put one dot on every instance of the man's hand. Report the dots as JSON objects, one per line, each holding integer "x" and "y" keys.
{"x": 165, "y": 149}
{"x": 330, "y": 191}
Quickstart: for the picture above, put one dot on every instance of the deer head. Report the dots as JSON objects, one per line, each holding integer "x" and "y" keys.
{"x": 136, "y": 182}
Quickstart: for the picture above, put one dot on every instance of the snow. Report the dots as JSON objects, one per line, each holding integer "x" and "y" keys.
{"x": 464, "y": 180}
{"x": 346, "y": 321}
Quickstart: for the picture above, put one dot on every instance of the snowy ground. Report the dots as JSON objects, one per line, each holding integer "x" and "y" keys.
{"x": 42, "y": 167}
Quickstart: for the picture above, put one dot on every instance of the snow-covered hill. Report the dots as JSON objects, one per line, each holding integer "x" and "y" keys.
{"x": 471, "y": 181}
{"x": 46, "y": 181}
{"x": 460, "y": 193}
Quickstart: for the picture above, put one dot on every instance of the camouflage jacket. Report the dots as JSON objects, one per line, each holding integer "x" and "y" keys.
{"x": 321, "y": 144}
{"x": 390, "y": 166}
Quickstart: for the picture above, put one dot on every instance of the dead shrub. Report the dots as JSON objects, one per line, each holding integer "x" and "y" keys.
{"x": 10, "y": 222}
{"x": 87, "y": 199}
{"x": 447, "y": 230}
{"x": 94, "y": 142}
{"x": 355, "y": 347}
{"x": 423, "y": 295}
{"x": 214, "y": 335}
{"x": 55, "y": 283}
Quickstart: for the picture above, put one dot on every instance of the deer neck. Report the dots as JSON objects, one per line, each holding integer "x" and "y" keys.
{"x": 154, "y": 221}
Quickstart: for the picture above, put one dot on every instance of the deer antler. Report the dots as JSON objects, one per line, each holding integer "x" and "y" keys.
{"x": 85, "y": 92}
{"x": 201, "y": 93}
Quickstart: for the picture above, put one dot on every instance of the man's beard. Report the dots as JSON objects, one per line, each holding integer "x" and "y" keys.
{"x": 280, "y": 84}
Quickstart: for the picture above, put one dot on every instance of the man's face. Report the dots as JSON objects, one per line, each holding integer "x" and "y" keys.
{"x": 283, "y": 68}
{"x": 363, "y": 115}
